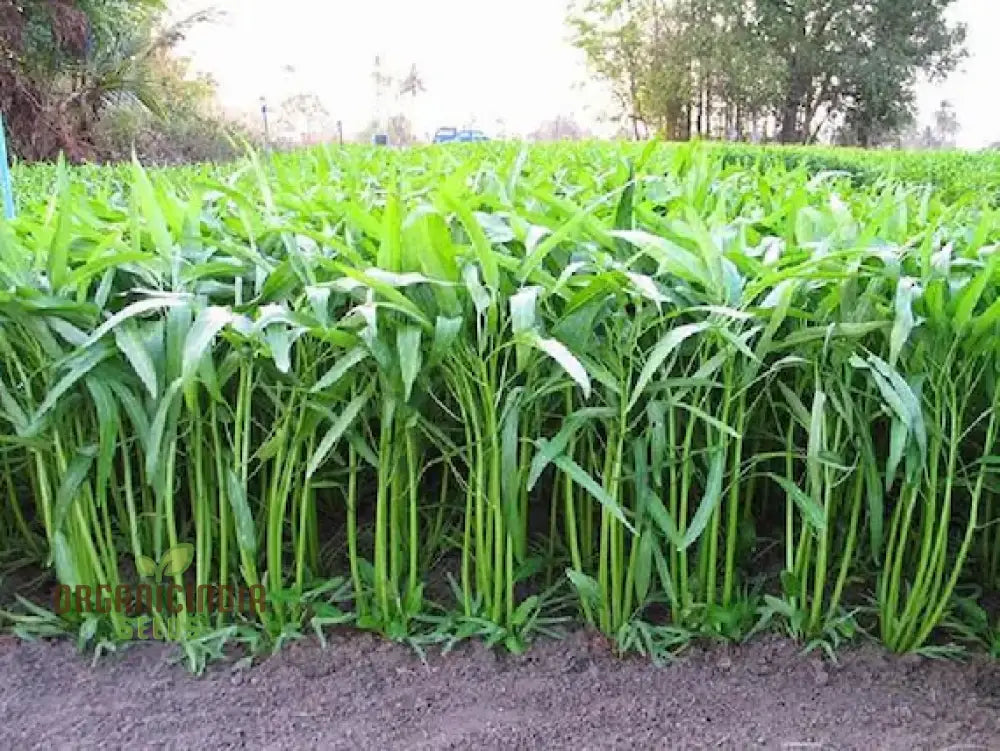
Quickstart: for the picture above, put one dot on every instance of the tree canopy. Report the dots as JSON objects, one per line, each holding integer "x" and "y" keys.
{"x": 63, "y": 63}
{"x": 738, "y": 67}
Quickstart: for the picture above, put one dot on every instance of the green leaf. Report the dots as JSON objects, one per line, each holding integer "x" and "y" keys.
{"x": 108, "y": 429}
{"x": 586, "y": 587}
{"x": 898, "y": 435}
{"x": 672, "y": 258}
{"x": 58, "y": 255}
{"x": 670, "y": 341}
{"x": 558, "y": 352}
{"x": 131, "y": 345}
{"x": 209, "y": 322}
{"x": 704, "y": 416}
{"x": 576, "y": 473}
{"x": 145, "y": 566}
{"x": 150, "y": 209}
{"x": 662, "y": 518}
{"x": 811, "y": 511}
{"x": 336, "y": 430}
{"x": 349, "y": 360}
{"x": 709, "y": 500}
{"x": 480, "y": 243}
{"x": 12, "y": 410}
{"x": 79, "y": 367}
{"x": 905, "y": 321}
{"x": 901, "y": 396}
{"x": 176, "y": 560}
{"x": 972, "y": 293}
{"x": 522, "y": 310}
{"x": 524, "y": 611}
{"x": 162, "y": 428}
{"x": 390, "y": 249}
{"x": 817, "y": 440}
{"x": 550, "y": 449}
{"x": 510, "y": 477}
{"x": 134, "y": 310}
{"x": 446, "y": 331}
{"x": 408, "y": 347}
{"x": 644, "y": 567}
{"x": 246, "y": 535}
{"x": 67, "y": 571}
{"x": 76, "y": 473}
{"x": 399, "y": 301}
{"x": 796, "y": 406}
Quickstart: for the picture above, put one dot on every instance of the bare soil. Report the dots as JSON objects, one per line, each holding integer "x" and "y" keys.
{"x": 362, "y": 693}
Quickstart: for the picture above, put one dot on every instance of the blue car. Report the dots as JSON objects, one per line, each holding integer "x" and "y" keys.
{"x": 450, "y": 135}
{"x": 445, "y": 135}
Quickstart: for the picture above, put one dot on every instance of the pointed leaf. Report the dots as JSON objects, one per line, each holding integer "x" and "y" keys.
{"x": 145, "y": 566}
{"x": 177, "y": 559}
{"x": 709, "y": 501}
{"x": 670, "y": 341}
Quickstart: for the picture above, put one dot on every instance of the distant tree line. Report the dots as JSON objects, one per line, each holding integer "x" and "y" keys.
{"x": 756, "y": 69}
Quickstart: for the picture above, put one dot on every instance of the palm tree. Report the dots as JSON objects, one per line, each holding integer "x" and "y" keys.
{"x": 412, "y": 85}
{"x": 382, "y": 82}
{"x": 946, "y": 124}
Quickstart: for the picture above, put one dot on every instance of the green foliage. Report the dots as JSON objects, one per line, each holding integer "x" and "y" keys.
{"x": 193, "y": 131}
{"x": 90, "y": 79}
{"x": 712, "y": 67}
{"x": 478, "y": 390}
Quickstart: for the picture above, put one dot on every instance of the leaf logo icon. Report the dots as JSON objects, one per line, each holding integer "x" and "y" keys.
{"x": 145, "y": 566}
{"x": 175, "y": 561}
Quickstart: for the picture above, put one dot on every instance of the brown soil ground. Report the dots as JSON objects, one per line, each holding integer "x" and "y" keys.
{"x": 361, "y": 693}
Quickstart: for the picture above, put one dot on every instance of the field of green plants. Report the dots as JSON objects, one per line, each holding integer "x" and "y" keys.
{"x": 494, "y": 391}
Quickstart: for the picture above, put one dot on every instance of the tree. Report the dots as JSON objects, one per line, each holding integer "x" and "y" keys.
{"x": 726, "y": 67}
{"x": 194, "y": 131}
{"x": 854, "y": 56}
{"x": 560, "y": 128}
{"x": 65, "y": 62}
{"x": 946, "y": 125}
{"x": 399, "y": 129}
{"x": 303, "y": 116}
{"x": 382, "y": 81}
{"x": 610, "y": 34}
{"x": 412, "y": 86}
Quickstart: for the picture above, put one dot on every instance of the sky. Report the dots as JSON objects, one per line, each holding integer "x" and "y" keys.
{"x": 480, "y": 61}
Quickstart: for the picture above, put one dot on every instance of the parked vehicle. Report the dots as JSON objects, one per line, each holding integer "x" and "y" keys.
{"x": 444, "y": 135}
{"x": 449, "y": 135}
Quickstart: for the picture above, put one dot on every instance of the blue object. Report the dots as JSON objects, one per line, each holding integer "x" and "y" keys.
{"x": 471, "y": 135}
{"x": 444, "y": 135}
{"x": 5, "y": 184}
{"x": 450, "y": 135}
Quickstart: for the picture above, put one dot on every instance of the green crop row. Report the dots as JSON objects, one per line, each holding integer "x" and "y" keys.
{"x": 481, "y": 391}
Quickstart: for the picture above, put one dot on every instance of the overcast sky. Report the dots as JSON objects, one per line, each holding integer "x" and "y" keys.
{"x": 507, "y": 59}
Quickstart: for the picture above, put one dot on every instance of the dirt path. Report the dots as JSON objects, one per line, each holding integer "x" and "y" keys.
{"x": 360, "y": 693}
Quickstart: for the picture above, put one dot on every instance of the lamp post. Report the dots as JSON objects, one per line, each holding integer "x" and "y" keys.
{"x": 263, "y": 115}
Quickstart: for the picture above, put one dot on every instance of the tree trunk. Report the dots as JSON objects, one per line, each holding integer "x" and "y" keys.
{"x": 789, "y": 121}
{"x": 708, "y": 109}
{"x": 700, "y": 113}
